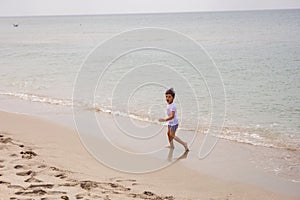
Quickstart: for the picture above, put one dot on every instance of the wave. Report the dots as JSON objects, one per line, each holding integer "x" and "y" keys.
{"x": 261, "y": 137}
{"x": 39, "y": 98}
{"x": 123, "y": 114}
{"x": 250, "y": 136}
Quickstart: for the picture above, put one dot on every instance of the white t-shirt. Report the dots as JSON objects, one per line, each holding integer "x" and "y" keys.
{"x": 172, "y": 107}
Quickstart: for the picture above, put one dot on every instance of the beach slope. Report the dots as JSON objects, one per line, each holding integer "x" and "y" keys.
{"x": 43, "y": 160}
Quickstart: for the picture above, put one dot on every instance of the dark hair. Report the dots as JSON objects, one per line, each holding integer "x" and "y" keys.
{"x": 171, "y": 92}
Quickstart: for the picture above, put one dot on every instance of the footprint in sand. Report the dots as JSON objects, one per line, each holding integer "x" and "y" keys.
{"x": 54, "y": 169}
{"x": 79, "y": 196}
{"x": 56, "y": 192}
{"x": 42, "y": 166}
{"x": 32, "y": 192}
{"x": 40, "y": 190}
{"x": 132, "y": 181}
{"x": 88, "y": 185}
{"x": 18, "y": 166}
{"x": 28, "y": 154}
{"x": 68, "y": 184}
{"x": 32, "y": 180}
{"x": 25, "y": 173}
{"x": 16, "y": 187}
{"x": 149, "y": 195}
{"x": 64, "y": 197}
{"x": 48, "y": 186}
{"x": 5, "y": 140}
{"x": 4, "y": 183}
{"x": 61, "y": 176}
{"x": 125, "y": 180}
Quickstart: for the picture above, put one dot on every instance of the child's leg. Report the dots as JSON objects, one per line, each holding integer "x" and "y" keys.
{"x": 181, "y": 142}
{"x": 170, "y": 139}
{"x": 170, "y": 155}
{"x": 177, "y": 139}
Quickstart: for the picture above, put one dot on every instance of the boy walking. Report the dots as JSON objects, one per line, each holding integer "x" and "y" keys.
{"x": 172, "y": 120}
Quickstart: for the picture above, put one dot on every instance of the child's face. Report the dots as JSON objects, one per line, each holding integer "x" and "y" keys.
{"x": 169, "y": 98}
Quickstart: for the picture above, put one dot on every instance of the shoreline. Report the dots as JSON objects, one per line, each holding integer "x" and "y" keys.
{"x": 241, "y": 135}
{"x": 60, "y": 147}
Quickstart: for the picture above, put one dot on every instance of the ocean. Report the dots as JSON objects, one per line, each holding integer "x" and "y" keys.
{"x": 249, "y": 75}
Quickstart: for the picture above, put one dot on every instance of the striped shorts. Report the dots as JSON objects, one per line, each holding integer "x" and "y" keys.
{"x": 173, "y": 128}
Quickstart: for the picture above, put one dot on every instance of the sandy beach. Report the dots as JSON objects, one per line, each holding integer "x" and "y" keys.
{"x": 81, "y": 97}
{"x": 44, "y": 160}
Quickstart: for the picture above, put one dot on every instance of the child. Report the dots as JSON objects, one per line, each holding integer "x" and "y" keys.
{"x": 172, "y": 118}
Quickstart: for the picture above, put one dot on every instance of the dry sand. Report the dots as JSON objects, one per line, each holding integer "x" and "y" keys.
{"x": 43, "y": 160}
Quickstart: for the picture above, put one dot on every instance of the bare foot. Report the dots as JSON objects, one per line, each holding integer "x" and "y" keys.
{"x": 186, "y": 147}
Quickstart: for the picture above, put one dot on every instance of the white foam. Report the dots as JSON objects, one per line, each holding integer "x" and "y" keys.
{"x": 39, "y": 98}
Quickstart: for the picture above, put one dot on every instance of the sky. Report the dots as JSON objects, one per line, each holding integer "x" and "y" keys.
{"x": 88, "y": 7}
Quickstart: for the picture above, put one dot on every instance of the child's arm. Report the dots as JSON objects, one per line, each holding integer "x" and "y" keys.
{"x": 168, "y": 118}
